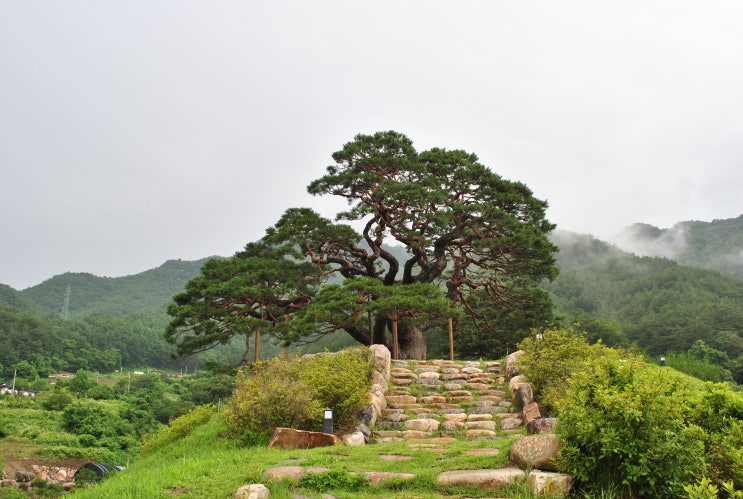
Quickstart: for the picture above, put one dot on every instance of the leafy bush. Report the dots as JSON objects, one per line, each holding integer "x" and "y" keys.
{"x": 179, "y": 428}
{"x": 57, "y": 400}
{"x": 269, "y": 395}
{"x": 340, "y": 382}
{"x": 705, "y": 489}
{"x": 551, "y": 358}
{"x": 622, "y": 422}
{"x": 726, "y": 457}
{"x": 719, "y": 411}
{"x": 699, "y": 368}
{"x": 58, "y": 439}
{"x": 279, "y": 393}
{"x": 335, "y": 479}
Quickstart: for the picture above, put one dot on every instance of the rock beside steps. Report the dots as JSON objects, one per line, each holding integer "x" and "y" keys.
{"x": 434, "y": 402}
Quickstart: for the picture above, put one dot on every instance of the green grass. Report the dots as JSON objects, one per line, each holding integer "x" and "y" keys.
{"x": 209, "y": 464}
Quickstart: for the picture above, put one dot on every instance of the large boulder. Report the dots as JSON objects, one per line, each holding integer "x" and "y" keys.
{"x": 355, "y": 439}
{"x": 24, "y": 476}
{"x": 549, "y": 483}
{"x": 536, "y": 451}
{"x": 512, "y": 367}
{"x": 543, "y": 425}
{"x": 380, "y": 359}
{"x": 524, "y": 395}
{"x": 515, "y": 383}
{"x": 531, "y": 412}
{"x": 288, "y": 438}
{"x": 253, "y": 491}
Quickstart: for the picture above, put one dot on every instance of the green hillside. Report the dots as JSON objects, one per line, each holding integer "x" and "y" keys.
{"x": 13, "y": 298}
{"x": 145, "y": 292}
{"x": 657, "y": 303}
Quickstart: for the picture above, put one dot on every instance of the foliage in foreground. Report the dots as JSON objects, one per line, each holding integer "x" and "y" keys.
{"x": 625, "y": 424}
{"x": 280, "y": 393}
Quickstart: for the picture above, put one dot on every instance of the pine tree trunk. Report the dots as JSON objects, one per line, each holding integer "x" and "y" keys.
{"x": 412, "y": 342}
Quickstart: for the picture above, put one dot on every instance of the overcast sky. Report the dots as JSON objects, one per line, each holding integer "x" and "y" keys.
{"x": 134, "y": 132}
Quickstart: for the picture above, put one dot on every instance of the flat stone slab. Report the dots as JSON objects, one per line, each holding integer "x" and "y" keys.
{"x": 480, "y": 425}
{"x": 395, "y": 457}
{"x": 486, "y": 451}
{"x": 293, "y": 473}
{"x": 388, "y": 440}
{"x": 483, "y": 479}
{"x": 378, "y": 477}
{"x": 401, "y": 399}
{"x": 422, "y": 424}
{"x": 479, "y": 433}
{"x": 434, "y": 441}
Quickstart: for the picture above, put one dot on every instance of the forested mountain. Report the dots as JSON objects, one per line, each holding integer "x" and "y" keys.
{"x": 716, "y": 245}
{"x": 145, "y": 292}
{"x": 659, "y": 304}
{"x": 655, "y": 302}
{"x": 13, "y": 298}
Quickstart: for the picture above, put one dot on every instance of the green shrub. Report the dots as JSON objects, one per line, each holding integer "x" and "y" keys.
{"x": 339, "y": 381}
{"x": 699, "y": 368}
{"x": 552, "y": 358}
{"x": 269, "y": 395}
{"x": 705, "y": 489}
{"x": 57, "y": 400}
{"x": 57, "y": 439}
{"x": 179, "y": 427}
{"x": 725, "y": 456}
{"x": 280, "y": 393}
{"x": 335, "y": 479}
{"x": 624, "y": 423}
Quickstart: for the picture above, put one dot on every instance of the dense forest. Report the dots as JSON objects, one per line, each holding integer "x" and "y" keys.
{"x": 654, "y": 303}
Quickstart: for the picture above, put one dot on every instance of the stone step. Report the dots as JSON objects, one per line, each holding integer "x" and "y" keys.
{"x": 440, "y": 399}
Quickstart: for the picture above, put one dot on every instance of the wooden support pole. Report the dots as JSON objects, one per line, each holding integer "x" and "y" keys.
{"x": 257, "y": 345}
{"x": 451, "y": 339}
{"x": 395, "y": 346}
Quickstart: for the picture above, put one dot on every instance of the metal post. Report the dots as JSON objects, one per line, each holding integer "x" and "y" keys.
{"x": 327, "y": 422}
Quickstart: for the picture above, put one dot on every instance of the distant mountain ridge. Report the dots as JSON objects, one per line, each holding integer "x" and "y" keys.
{"x": 658, "y": 303}
{"x": 148, "y": 291}
{"x": 595, "y": 276}
{"x": 715, "y": 245}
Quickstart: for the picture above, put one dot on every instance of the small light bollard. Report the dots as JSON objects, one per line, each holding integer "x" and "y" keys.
{"x": 327, "y": 422}
{"x": 663, "y": 362}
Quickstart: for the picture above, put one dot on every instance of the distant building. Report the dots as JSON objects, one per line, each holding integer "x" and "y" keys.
{"x": 54, "y": 377}
{"x": 8, "y": 389}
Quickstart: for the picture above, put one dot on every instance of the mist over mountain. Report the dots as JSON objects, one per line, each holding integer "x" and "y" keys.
{"x": 716, "y": 245}
{"x": 657, "y": 303}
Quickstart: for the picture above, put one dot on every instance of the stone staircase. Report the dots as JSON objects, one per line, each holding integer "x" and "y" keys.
{"x": 439, "y": 401}
{"x": 431, "y": 404}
